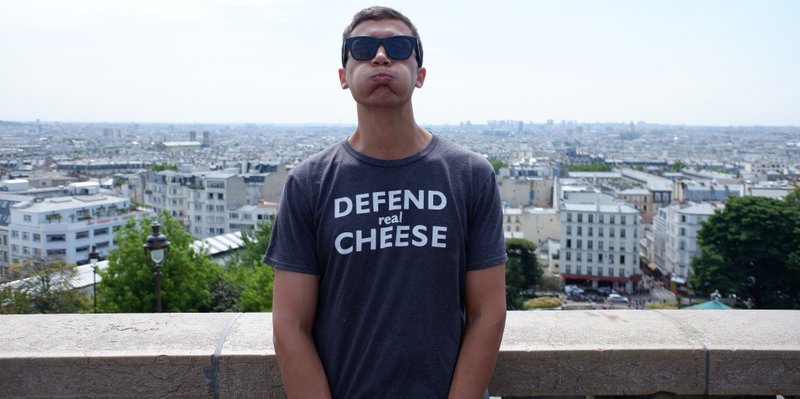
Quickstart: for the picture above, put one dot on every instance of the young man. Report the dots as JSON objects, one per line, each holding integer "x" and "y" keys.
{"x": 388, "y": 247}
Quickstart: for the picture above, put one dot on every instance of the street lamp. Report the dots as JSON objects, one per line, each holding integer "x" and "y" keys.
{"x": 155, "y": 246}
{"x": 93, "y": 258}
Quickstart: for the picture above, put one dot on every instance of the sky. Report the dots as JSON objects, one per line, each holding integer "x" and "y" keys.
{"x": 693, "y": 62}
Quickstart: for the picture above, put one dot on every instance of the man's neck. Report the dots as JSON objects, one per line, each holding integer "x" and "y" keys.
{"x": 388, "y": 133}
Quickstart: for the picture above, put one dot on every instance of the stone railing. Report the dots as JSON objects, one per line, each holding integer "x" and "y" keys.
{"x": 544, "y": 353}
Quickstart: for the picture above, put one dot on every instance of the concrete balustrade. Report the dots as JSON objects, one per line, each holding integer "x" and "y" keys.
{"x": 544, "y": 353}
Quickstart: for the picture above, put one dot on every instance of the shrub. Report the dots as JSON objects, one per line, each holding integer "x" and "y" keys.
{"x": 543, "y": 302}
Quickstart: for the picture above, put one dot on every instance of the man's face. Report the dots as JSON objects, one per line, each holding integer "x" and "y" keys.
{"x": 381, "y": 81}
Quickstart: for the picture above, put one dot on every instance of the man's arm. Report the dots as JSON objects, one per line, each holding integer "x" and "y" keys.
{"x": 486, "y": 317}
{"x": 294, "y": 305}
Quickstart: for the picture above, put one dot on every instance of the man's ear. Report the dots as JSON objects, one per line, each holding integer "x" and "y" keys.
{"x": 343, "y": 79}
{"x": 421, "y": 72}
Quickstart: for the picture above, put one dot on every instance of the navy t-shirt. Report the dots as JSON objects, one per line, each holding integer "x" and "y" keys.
{"x": 391, "y": 242}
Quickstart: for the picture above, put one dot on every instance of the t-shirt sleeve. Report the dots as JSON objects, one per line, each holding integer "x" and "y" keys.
{"x": 485, "y": 241}
{"x": 292, "y": 245}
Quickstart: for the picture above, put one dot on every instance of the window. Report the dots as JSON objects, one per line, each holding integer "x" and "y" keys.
{"x": 578, "y": 269}
{"x": 211, "y": 196}
{"x": 568, "y": 267}
{"x": 569, "y": 230}
{"x": 101, "y": 231}
{"x": 82, "y": 234}
{"x": 56, "y": 252}
{"x": 601, "y": 217}
{"x": 233, "y": 215}
{"x": 569, "y": 243}
{"x": 600, "y": 231}
{"x": 591, "y": 231}
{"x": 26, "y": 236}
{"x": 102, "y": 244}
{"x": 683, "y": 218}
{"x": 569, "y": 255}
{"x": 591, "y": 218}
{"x": 622, "y": 272}
{"x": 26, "y": 218}
{"x": 579, "y": 256}
{"x": 580, "y": 230}
{"x": 599, "y": 258}
{"x": 611, "y": 219}
{"x": 210, "y": 208}
{"x": 611, "y": 232}
{"x": 580, "y": 242}
{"x": 198, "y": 218}
{"x": 220, "y": 196}
{"x": 622, "y": 259}
{"x": 682, "y": 245}
{"x": 14, "y": 233}
{"x": 611, "y": 259}
{"x": 56, "y": 237}
{"x": 599, "y": 271}
{"x": 622, "y": 219}
{"x": 580, "y": 218}
{"x": 590, "y": 244}
{"x": 84, "y": 248}
{"x": 683, "y": 231}
{"x": 220, "y": 208}
{"x": 589, "y": 270}
{"x": 37, "y": 237}
{"x": 569, "y": 216}
{"x": 621, "y": 232}
{"x": 600, "y": 245}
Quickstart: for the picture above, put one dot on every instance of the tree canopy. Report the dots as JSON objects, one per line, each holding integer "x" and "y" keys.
{"x": 42, "y": 287}
{"x": 522, "y": 271}
{"x": 246, "y": 284}
{"x": 752, "y": 249}
{"x": 593, "y": 167}
{"x": 128, "y": 284}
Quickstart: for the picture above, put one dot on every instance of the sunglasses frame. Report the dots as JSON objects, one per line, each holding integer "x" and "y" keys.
{"x": 347, "y": 42}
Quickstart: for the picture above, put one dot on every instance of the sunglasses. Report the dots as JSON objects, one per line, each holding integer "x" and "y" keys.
{"x": 364, "y": 48}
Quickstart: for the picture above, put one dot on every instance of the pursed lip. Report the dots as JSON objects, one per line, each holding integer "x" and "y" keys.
{"x": 382, "y": 77}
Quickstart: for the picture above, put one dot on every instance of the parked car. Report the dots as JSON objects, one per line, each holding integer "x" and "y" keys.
{"x": 572, "y": 289}
{"x": 604, "y": 291}
{"x": 616, "y": 298}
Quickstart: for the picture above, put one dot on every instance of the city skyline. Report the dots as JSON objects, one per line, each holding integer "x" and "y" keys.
{"x": 696, "y": 63}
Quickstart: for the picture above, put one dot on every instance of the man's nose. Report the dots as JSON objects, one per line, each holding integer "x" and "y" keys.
{"x": 381, "y": 58}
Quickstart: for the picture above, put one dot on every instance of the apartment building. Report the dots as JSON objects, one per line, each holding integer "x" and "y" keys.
{"x": 211, "y": 203}
{"x": 675, "y": 236}
{"x": 642, "y": 200}
{"x": 599, "y": 245}
{"x": 67, "y": 226}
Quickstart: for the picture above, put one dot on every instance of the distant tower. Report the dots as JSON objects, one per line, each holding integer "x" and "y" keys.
{"x": 206, "y": 138}
{"x": 192, "y": 135}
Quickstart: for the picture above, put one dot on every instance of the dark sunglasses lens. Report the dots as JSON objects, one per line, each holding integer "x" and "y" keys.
{"x": 398, "y": 48}
{"x": 363, "y": 48}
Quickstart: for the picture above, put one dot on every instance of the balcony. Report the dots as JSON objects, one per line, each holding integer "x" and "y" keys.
{"x": 544, "y": 353}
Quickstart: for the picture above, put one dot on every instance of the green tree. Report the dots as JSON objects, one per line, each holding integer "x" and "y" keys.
{"x": 164, "y": 166}
{"x": 593, "y": 167}
{"x": 677, "y": 166}
{"x": 522, "y": 271}
{"x": 497, "y": 164}
{"x": 42, "y": 287}
{"x": 751, "y": 249}
{"x": 128, "y": 284}
{"x": 248, "y": 280}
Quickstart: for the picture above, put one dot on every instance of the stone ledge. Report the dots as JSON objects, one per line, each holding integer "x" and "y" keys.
{"x": 544, "y": 353}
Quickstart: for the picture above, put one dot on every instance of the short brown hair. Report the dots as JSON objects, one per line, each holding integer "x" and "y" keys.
{"x": 378, "y": 13}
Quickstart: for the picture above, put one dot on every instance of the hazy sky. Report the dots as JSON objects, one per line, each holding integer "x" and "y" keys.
{"x": 722, "y": 62}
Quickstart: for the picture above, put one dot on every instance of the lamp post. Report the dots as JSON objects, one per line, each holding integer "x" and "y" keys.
{"x": 155, "y": 247}
{"x": 93, "y": 258}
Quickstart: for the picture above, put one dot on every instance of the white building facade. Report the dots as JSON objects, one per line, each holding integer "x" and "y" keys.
{"x": 675, "y": 236}
{"x": 66, "y": 227}
{"x": 599, "y": 245}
